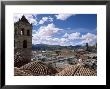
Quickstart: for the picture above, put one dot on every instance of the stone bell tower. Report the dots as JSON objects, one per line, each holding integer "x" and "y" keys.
{"x": 22, "y": 42}
{"x": 22, "y": 33}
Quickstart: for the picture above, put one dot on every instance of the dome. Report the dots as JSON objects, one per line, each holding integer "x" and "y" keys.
{"x": 38, "y": 69}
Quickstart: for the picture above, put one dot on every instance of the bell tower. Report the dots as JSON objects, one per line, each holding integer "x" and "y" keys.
{"x": 23, "y": 33}
{"x": 22, "y": 42}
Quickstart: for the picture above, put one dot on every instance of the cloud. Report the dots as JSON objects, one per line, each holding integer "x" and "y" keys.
{"x": 72, "y": 36}
{"x": 77, "y": 38}
{"x": 89, "y": 38}
{"x": 66, "y": 40}
{"x": 44, "y": 33}
{"x": 63, "y": 16}
{"x": 45, "y": 19}
{"x": 17, "y": 17}
{"x": 48, "y": 30}
{"x": 50, "y": 41}
{"x": 29, "y": 17}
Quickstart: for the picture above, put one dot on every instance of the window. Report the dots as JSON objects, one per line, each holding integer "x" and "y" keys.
{"x": 25, "y": 44}
{"x": 28, "y": 33}
{"x": 22, "y": 31}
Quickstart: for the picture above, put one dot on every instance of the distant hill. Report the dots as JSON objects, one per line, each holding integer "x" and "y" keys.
{"x": 53, "y": 47}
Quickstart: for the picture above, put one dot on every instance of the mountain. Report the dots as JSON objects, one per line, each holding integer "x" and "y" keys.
{"x": 53, "y": 47}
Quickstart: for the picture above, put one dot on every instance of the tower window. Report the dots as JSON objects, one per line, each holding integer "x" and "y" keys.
{"x": 25, "y": 44}
{"x": 28, "y": 33}
{"x": 22, "y": 31}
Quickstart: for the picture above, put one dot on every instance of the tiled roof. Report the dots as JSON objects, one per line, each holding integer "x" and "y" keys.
{"x": 18, "y": 72}
{"x": 77, "y": 70}
{"x": 38, "y": 68}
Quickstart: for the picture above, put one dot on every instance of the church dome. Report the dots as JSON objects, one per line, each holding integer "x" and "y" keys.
{"x": 38, "y": 68}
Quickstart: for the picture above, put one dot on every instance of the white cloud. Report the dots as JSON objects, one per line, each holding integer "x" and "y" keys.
{"x": 89, "y": 38}
{"x": 44, "y": 34}
{"x": 17, "y": 17}
{"x": 51, "y": 41}
{"x": 66, "y": 35}
{"x": 63, "y": 16}
{"x": 50, "y": 19}
{"x": 45, "y": 19}
{"x": 48, "y": 30}
{"x": 72, "y": 36}
{"x": 29, "y": 17}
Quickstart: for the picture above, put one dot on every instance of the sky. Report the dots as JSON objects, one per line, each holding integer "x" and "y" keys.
{"x": 62, "y": 29}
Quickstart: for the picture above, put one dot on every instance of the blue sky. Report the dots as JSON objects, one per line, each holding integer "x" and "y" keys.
{"x": 63, "y": 29}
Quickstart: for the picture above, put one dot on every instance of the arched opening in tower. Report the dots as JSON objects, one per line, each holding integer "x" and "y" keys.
{"x": 28, "y": 33}
{"x": 25, "y": 44}
{"x": 22, "y": 31}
